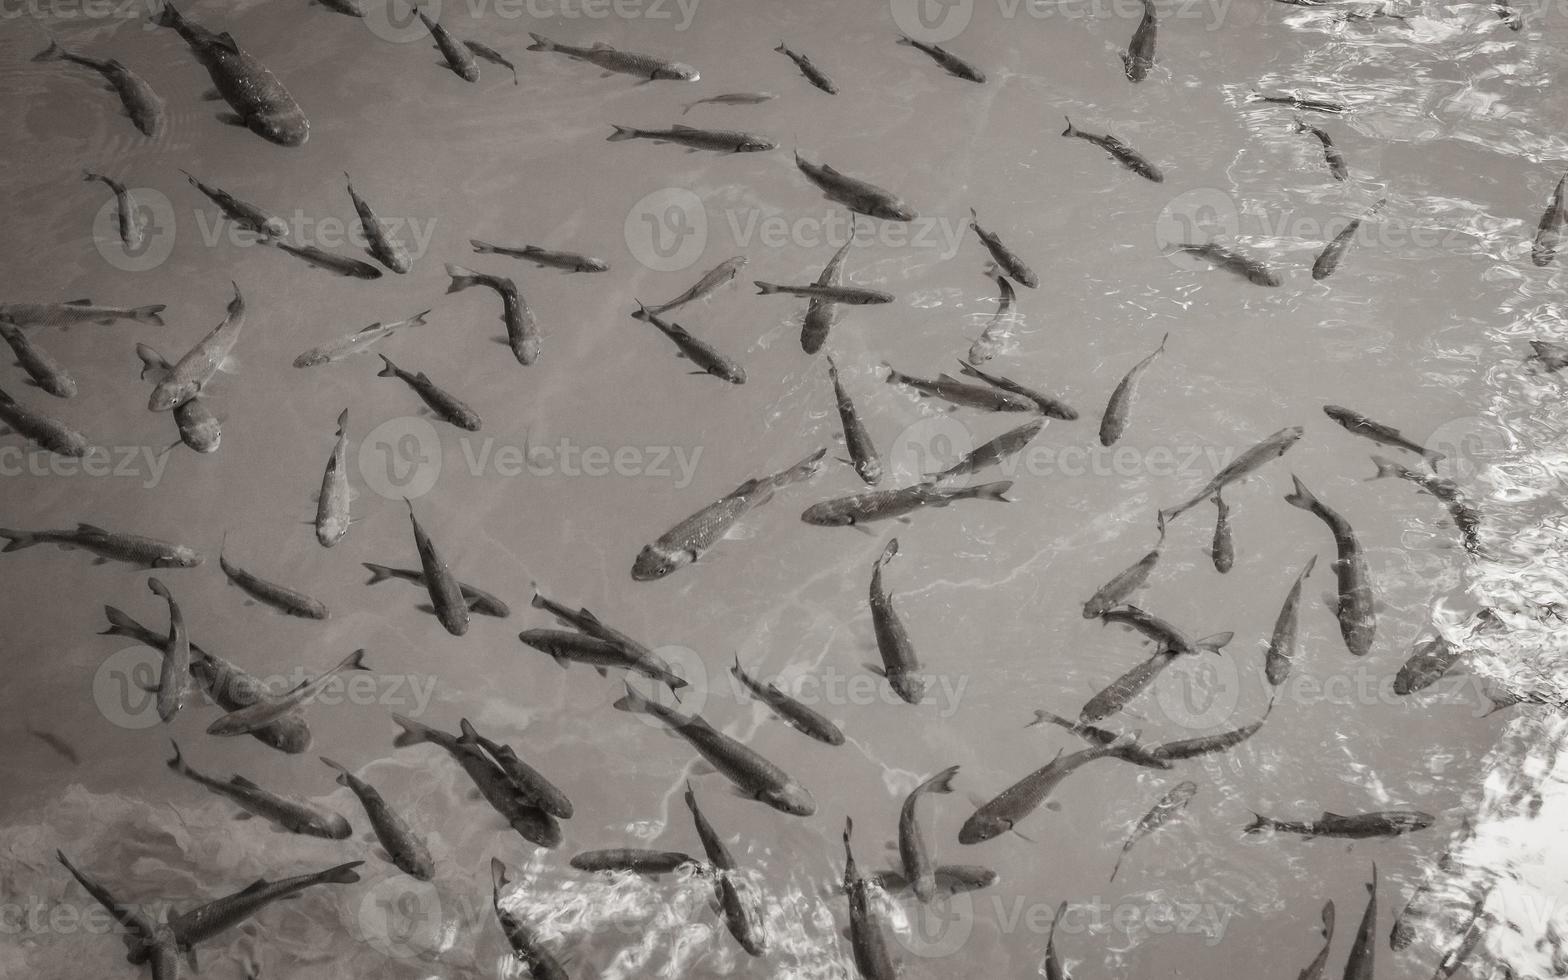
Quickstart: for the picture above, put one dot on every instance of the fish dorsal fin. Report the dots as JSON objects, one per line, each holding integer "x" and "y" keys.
{"x": 90, "y": 528}
{"x": 828, "y": 169}
{"x": 422, "y": 377}
{"x": 78, "y": 302}
{"x": 948, "y": 379}
{"x": 600, "y": 46}
{"x": 242, "y": 782}
{"x": 254, "y": 886}
{"x": 227, "y": 40}
{"x": 373, "y": 326}
{"x": 680, "y": 127}
{"x": 532, "y": 249}
{"x": 1331, "y": 815}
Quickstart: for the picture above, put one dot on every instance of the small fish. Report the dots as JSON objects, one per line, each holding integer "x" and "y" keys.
{"x": 291, "y": 814}
{"x": 199, "y": 428}
{"x": 543, "y": 258}
{"x": 1297, "y": 102}
{"x": 1005, "y": 258}
{"x": 867, "y": 930}
{"x": 132, "y": 549}
{"x": 1048, "y": 405}
{"x": 1271, "y": 448}
{"x": 493, "y": 56}
{"x": 732, "y": 98}
{"x": 849, "y": 295}
{"x": 919, "y": 870}
{"x": 381, "y": 245}
{"x": 458, "y": 58}
{"x": 1331, "y": 154}
{"x": 1359, "y": 966}
{"x": 633, "y": 860}
{"x": 279, "y": 597}
{"x": 268, "y": 710}
{"x": 1124, "y": 583}
{"x": 1549, "y": 234}
{"x": 690, "y": 539}
{"x": 584, "y": 621}
{"x": 76, "y": 311}
{"x": 128, "y": 915}
{"x": 991, "y": 453}
{"x": 900, "y": 665}
{"x": 57, "y": 743}
{"x": 530, "y": 822}
{"x": 710, "y": 281}
{"x": 479, "y": 601}
{"x": 45, "y": 371}
{"x": 407, "y": 851}
{"x": 451, "y": 608}
{"x": 721, "y": 140}
{"x": 648, "y": 67}
{"x": 862, "y": 451}
{"x": 950, "y": 62}
{"x": 340, "y": 265}
{"x": 1018, "y": 801}
{"x": 530, "y": 783}
{"x": 854, "y": 193}
{"x": 713, "y": 845}
{"x": 1222, "y": 550}
{"x": 1191, "y": 748}
{"x": 742, "y": 915}
{"x": 356, "y": 343}
{"x": 1163, "y": 633}
{"x": 1382, "y": 823}
{"x": 174, "y": 675}
{"x": 522, "y": 330}
{"x": 1053, "y": 968}
{"x": 754, "y": 776}
{"x": 1117, "y": 410}
{"x": 799, "y": 717}
{"x": 332, "y": 506}
{"x": 814, "y": 75}
{"x": 447, "y": 406}
{"x": 1314, "y": 970}
{"x": 208, "y": 920}
{"x": 44, "y": 430}
{"x": 701, "y": 354}
{"x": 1136, "y": 753}
{"x": 524, "y": 941}
{"x": 126, "y": 214}
{"x": 984, "y": 397}
{"x": 1429, "y": 661}
{"x": 1386, "y": 435}
{"x": 1121, "y": 152}
{"x": 951, "y": 879}
{"x": 1355, "y": 612}
{"x": 877, "y": 505}
{"x": 1169, "y": 805}
{"x": 821, "y": 313}
{"x": 1233, "y": 260}
{"x": 1328, "y": 259}
{"x": 989, "y": 343}
{"x": 1282, "y": 644}
{"x": 566, "y": 647}
{"x": 1120, "y": 692}
{"x": 142, "y": 105}
{"x": 1140, "y": 50}
{"x": 191, "y": 374}
{"x": 244, "y": 214}
{"x": 260, "y": 102}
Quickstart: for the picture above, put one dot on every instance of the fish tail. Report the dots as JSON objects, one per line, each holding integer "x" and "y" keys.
{"x": 343, "y": 418}
{"x": 54, "y": 52}
{"x": 765, "y": 288}
{"x": 178, "y": 762}
{"x": 169, "y": 17}
{"x": 390, "y": 371}
{"x": 150, "y": 314}
{"x": 461, "y": 278}
{"x": 1301, "y": 497}
{"x": 1041, "y": 717}
{"x": 781, "y": 48}
{"x": 991, "y": 491}
{"x": 1385, "y": 467}
{"x": 622, "y": 133}
{"x": 355, "y": 661}
{"x": 343, "y": 874}
{"x": 541, "y": 43}
{"x": 688, "y": 107}
{"x": 17, "y": 539}
{"x": 88, "y": 175}
{"x": 1214, "y": 643}
{"x": 498, "y": 878}
{"x": 942, "y": 782}
{"x": 904, "y": 39}
{"x": 119, "y": 623}
{"x": 1258, "y": 824}
{"x": 1070, "y": 130}
{"x": 1432, "y": 456}
{"x": 343, "y": 776}
{"x": 484, "y": 248}
{"x": 413, "y": 732}
{"x": 633, "y": 702}
{"x": 888, "y": 553}
{"x": 378, "y": 573}
{"x": 1306, "y": 570}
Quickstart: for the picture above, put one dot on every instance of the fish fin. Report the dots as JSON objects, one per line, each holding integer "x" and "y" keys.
{"x": 1385, "y": 467}
{"x": 877, "y": 669}
{"x": 17, "y": 540}
{"x": 1259, "y": 823}
{"x": 413, "y": 732}
{"x": 1301, "y": 496}
{"x": 622, "y": 133}
{"x": 378, "y": 573}
{"x": 242, "y": 782}
{"x": 211, "y": 95}
{"x": 1214, "y": 643}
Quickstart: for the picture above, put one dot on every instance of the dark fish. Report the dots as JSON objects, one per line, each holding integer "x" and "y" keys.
{"x": 1314, "y": 970}
{"x": 951, "y": 879}
{"x": 142, "y": 104}
{"x": 522, "y": 330}
{"x": 1053, "y": 968}
{"x": 1190, "y": 748}
{"x": 867, "y": 931}
{"x": 584, "y": 621}
{"x": 862, "y": 452}
{"x": 1006, "y": 259}
{"x": 1233, "y": 260}
{"x": 849, "y": 295}
{"x": 854, "y": 193}
{"x": 458, "y": 58}
{"x": 57, "y": 743}
{"x": 444, "y": 404}
{"x": 1124, "y": 583}
{"x": 1328, "y": 259}
{"x": 1467, "y": 517}
{"x": 267, "y": 710}
{"x": 1508, "y": 14}
{"x": 194, "y": 371}
{"x": 1331, "y": 154}
{"x": 1136, "y": 753}
{"x": 242, "y": 213}
{"x": 721, "y": 140}
{"x": 291, "y": 814}
{"x": 43, "y": 430}
{"x": 174, "y": 676}
{"x": 1282, "y": 644}
{"x": 1117, "y": 410}
{"x": 1273, "y": 447}
{"x": 710, "y": 281}
{"x": 407, "y": 851}
{"x": 1169, "y": 805}
{"x": 877, "y": 505}
{"x": 108, "y": 545}
{"x": 451, "y": 608}
{"x": 814, "y": 75}
{"x": 1019, "y": 800}
{"x": 1222, "y": 549}
{"x": 950, "y": 62}
{"x": 479, "y": 601}
{"x": 900, "y": 665}
{"x": 1384, "y": 823}
{"x": 799, "y": 717}
{"x": 647, "y": 67}
{"x": 1476, "y": 926}
{"x": 713, "y": 845}
{"x": 530, "y": 822}
{"x": 989, "y": 343}
{"x": 1549, "y": 234}
{"x": 129, "y": 915}
{"x": 1049, "y": 405}
{"x": 1551, "y": 356}
{"x": 126, "y": 216}
{"x": 569, "y": 261}
{"x": 521, "y": 937}
{"x": 1359, "y": 966}
{"x": 382, "y": 246}
{"x": 493, "y": 56}
{"x": 1123, "y": 689}
{"x": 1386, "y": 435}
{"x": 634, "y": 860}
{"x": 690, "y": 539}
{"x": 332, "y": 506}
{"x": 919, "y": 870}
{"x": 1140, "y": 50}
{"x": 566, "y": 647}
{"x": 755, "y": 777}
{"x": 821, "y": 313}
{"x": 1009, "y": 443}
{"x": 701, "y": 354}
{"x": 208, "y": 920}
{"x": 948, "y": 388}
{"x": 340, "y": 265}
{"x": 732, "y": 98}
{"x": 349, "y": 8}
{"x": 356, "y": 343}
{"x": 1121, "y": 152}
{"x": 529, "y": 782}
{"x": 258, "y": 99}
{"x": 1163, "y": 633}
{"x": 73, "y": 312}
{"x": 1357, "y": 618}
{"x": 199, "y": 428}
{"x": 1433, "y": 658}
{"x": 1297, "y": 102}
{"x": 279, "y": 597}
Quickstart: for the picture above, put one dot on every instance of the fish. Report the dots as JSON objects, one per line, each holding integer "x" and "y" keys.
{"x": 816, "y": 76}
{"x": 492, "y": 782}
{"x": 821, "y": 313}
{"x": 332, "y": 507}
{"x": 57, "y": 743}
{"x": 1297, "y": 102}
{"x": 951, "y": 879}
{"x": 208, "y": 920}
{"x": 543, "y": 258}
{"x": 45, "y": 371}
{"x": 1466, "y": 515}
{"x": 1123, "y": 689}
{"x": 1508, "y": 14}
{"x": 1383, "y": 823}
{"x": 634, "y": 860}
{"x": 350, "y": 8}
{"x": 849, "y": 295}
{"x": 1314, "y": 970}
{"x": 877, "y": 505}
{"x": 447, "y": 406}
{"x": 991, "y": 453}
{"x": 1119, "y": 151}
{"x": 381, "y": 245}
{"x": 1254, "y": 458}
{"x": 1385, "y": 435}
{"x": 1357, "y": 618}
{"x": 1331, "y": 154}
{"x": 689, "y": 540}
{"x": 799, "y": 717}
{"x": 1164, "y": 633}
{"x": 912, "y": 851}
{"x": 719, "y": 856}
{"x": 1429, "y": 661}
{"x": 721, "y": 140}
{"x": 1006, "y": 259}
{"x": 127, "y": 218}
{"x": 1135, "y": 752}
{"x": 521, "y": 937}
{"x": 984, "y": 397}
{"x": 143, "y": 106}
{"x": 741, "y": 915}
{"x": 266, "y": 710}
{"x": 279, "y": 597}
{"x": 1549, "y": 233}
{"x": 900, "y": 665}
{"x": 340, "y": 265}
{"x": 566, "y": 647}
{"x": 586, "y": 622}
{"x": 77, "y": 311}
{"x": 1191, "y": 748}
{"x": 493, "y": 56}
{"x": 989, "y": 343}
{"x": 174, "y": 675}
{"x": 862, "y": 451}
{"x": 1123, "y": 584}
{"x": 407, "y": 850}
{"x": 1233, "y": 260}
{"x": 701, "y": 354}
{"x": 129, "y": 915}
{"x": 1551, "y": 356}
{"x": 258, "y": 99}
{"x": 289, "y": 813}
{"x": 1052, "y": 967}
{"x": 1117, "y": 410}
{"x": 42, "y": 429}
{"x": 856, "y": 194}
{"x": 458, "y": 58}
{"x": 479, "y": 601}
{"x": 1140, "y": 50}
{"x": 356, "y": 343}
{"x": 191, "y": 374}
{"x": 132, "y": 549}
{"x": 1359, "y": 965}
{"x": 530, "y": 784}
{"x": 648, "y": 67}
{"x": 1476, "y": 924}
{"x": 867, "y": 930}
{"x": 445, "y": 595}
{"x": 1222, "y": 550}
{"x": 199, "y": 428}
{"x": 1009, "y": 808}
{"x": 1328, "y": 259}
{"x": 732, "y": 98}
{"x": 1047, "y": 404}
{"x": 522, "y": 329}
{"x": 1283, "y": 644}
{"x": 1168, "y": 806}
{"x": 244, "y": 214}
{"x": 950, "y": 62}
{"x": 710, "y": 281}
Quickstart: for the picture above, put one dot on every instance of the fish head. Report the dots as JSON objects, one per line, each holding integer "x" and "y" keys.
{"x": 331, "y": 826}
{"x": 198, "y": 429}
{"x": 983, "y": 826}
{"x": 178, "y": 556}
{"x": 677, "y": 72}
{"x": 171, "y": 394}
{"x": 910, "y": 687}
{"x": 756, "y": 144}
{"x": 284, "y": 129}
{"x": 790, "y": 798}
{"x": 654, "y": 562}
{"x": 826, "y": 514}
{"x": 894, "y": 210}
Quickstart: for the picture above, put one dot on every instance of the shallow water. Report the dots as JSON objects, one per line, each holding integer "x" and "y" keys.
{"x": 1424, "y": 326}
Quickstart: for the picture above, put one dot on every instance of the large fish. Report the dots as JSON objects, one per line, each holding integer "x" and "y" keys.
{"x": 78, "y": 311}
{"x": 530, "y": 783}
{"x": 244, "y": 214}
{"x": 1382, "y": 823}
{"x": 900, "y": 665}
{"x": 1191, "y": 748}
{"x": 382, "y": 246}
{"x": 1119, "y": 151}
{"x": 800, "y": 717}
{"x": 1233, "y": 260}
{"x": 1012, "y": 805}
{"x": 142, "y": 104}
{"x": 721, "y": 140}
{"x": 1136, "y": 753}
{"x": 821, "y": 313}
{"x": 816, "y": 76}
{"x": 268, "y": 710}
{"x": 132, "y": 549}
{"x": 710, "y": 281}
{"x": 1119, "y": 408}
{"x": 1273, "y": 447}
{"x": 447, "y": 406}
{"x": 848, "y": 295}
{"x": 1297, "y": 101}
{"x": 1357, "y": 617}
{"x": 492, "y": 782}
{"x": 407, "y": 851}
{"x": 479, "y": 601}
{"x": 701, "y": 354}
{"x": 521, "y": 937}
{"x": 1386, "y": 435}
{"x": 542, "y": 257}
{"x": 174, "y": 675}
{"x": 191, "y": 374}
{"x": 1140, "y": 50}
{"x": 522, "y": 330}
{"x": 332, "y": 506}
{"x": 1549, "y": 234}
{"x": 992, "y": 338}
{"x": 1331, "y": 154}
{"x": 127, "y": 217}
{"x": 289, "y": 813}
{"x": 950, "y": 62}
{"x": 39, "y": 364}
{"x": 634, "y": 860}
{"x": 1048, "y": 404}
{"x": 857, "y": 441}
{"x": 258, "y": 99}
{"x": 129, "y": 915}
{"x": 881, "y": 505}
{"x": 493, "y": 56}
{"x": 42, "y": 429}
{"x": 1124, "y": 583}
{"x": 1328, "y": 259}
{"x": 1282, "y": 643}
{"x": 1006, "y": 259}
{"x": 734, "y": 903}
{"x": 279, "y": 597}
{"x": 854, "y": 193}
{"x": 1465, "y": 513}
{"x": 1123, "y": 689}
{"x": 1359, "y": 965}
{"x": 1167, "y": 807}
{"x": 356, "y": 343}
{"x": 458, "y": 58}
{"x": 445, "y": 595}
{"x": 338, "y": 265}
{"x": 919, "y": 869}
{"x": 199, "y": 428}
{"x": 208, "y": 920}
{"x": 867, "y": 931}
{"x": 948, "y": 388}
{"x": 1163, "y": 633}
{"x": 645, "y": 66}
{"x": 1314, "y": 970}
{"x": 1052, "y": 967}
{"x": 993, "y": 452}
{"x": 566, "y": 647}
